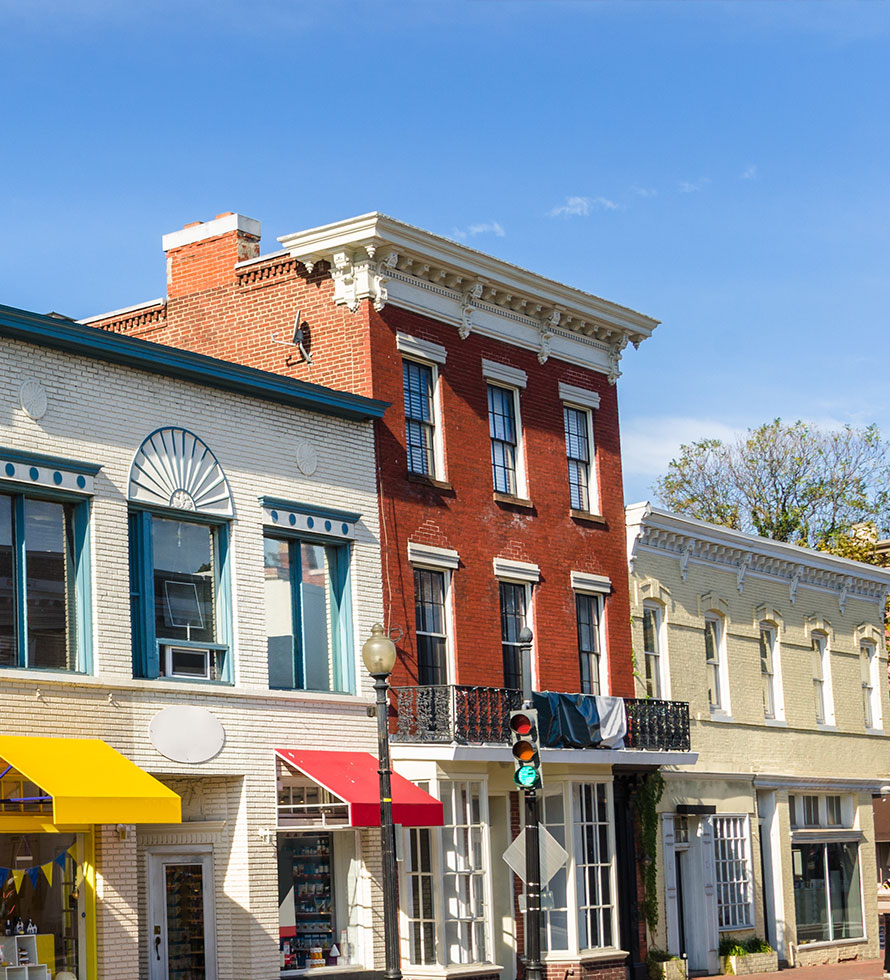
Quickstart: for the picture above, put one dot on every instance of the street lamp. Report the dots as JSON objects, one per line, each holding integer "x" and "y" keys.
{"x": 379, "y": 655}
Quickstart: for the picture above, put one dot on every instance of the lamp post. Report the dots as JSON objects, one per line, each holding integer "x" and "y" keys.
{"x": 379, "y": 655}
{"x": 533, "y": 965}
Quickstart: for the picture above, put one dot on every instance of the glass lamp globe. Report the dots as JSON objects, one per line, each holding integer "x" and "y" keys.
{"x": 379, "y": 652}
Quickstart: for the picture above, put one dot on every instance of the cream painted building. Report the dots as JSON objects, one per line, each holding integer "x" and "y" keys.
{"x": 779, "y": 651}
{"x": 189, "y": 563}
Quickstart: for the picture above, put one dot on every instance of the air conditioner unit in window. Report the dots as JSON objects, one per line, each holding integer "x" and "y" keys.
{"x": 187, "y": 662}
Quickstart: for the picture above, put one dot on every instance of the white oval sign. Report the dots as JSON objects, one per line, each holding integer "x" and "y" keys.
{"x": 187, "y": 733}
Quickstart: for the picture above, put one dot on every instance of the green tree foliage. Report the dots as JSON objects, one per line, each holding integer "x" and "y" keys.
{"x": 821, "y": 488}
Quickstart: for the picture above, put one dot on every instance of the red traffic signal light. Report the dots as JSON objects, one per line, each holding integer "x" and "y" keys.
{"x": 522, "y": 722}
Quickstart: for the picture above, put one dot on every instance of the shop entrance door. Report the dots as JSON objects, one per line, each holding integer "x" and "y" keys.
{"x": 182, "y": 933}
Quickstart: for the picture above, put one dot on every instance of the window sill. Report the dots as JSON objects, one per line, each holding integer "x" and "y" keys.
{"x": 588, "y": 517}
{"x": 427, "y": 481}
{"x": 875, "y": 731}
{"x": 825, "y": 727}
{"x": 775, "y": 723}
{"x": 585, "y": 956}
{"x": 457, "y": 970}
{"x": 509, "y": 500}
{"x": 825, "y": 943}
{"x": 717, "y": 714}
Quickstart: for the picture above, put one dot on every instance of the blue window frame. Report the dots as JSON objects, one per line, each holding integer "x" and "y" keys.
{"x": 308, "y": 619}
{"x": 180, "y": 597}
{"x": 44, "y": 582}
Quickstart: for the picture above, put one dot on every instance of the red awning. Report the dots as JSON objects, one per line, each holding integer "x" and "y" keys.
{"x": 353, "y": 778}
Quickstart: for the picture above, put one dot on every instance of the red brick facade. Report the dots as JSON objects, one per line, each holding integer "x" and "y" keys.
{"x": 219, "y": 308}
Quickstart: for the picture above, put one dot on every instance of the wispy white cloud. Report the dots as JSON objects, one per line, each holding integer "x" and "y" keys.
{"x": 481, "y": 228}
{"x": 583, "y": 206}
{"x": 692, "y": 186}
{"x": 750, "y": 172}
{"x": 645, "y": 191}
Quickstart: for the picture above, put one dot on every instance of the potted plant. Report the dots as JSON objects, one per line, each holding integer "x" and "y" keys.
{"x": 665, "y": 966}
{"x": 743, "y": 957}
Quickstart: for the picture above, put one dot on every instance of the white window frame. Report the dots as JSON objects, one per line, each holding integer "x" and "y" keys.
{"x": 599, "y": 586}
{"x": 431, "y": 356}
{"x": 582, "y": 400}
{"x": 513, "y": 380}
{"x": 822, "y": 649}
{"x": 871, "y": 686}
{"x": 722, "y": 708}
{"x": 722, "y": 862}
{"x": 527, "y": 574}
{"x": 445, "y": 561}
{"x": 663, "y": 667}
{"x": 777, "y": 691}
{"x": 572, "y": 831}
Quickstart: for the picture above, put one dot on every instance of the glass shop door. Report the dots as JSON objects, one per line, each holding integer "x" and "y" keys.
{"x": 182, "y": 936}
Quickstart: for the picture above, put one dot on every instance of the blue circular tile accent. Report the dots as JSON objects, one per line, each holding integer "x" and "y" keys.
{"x": 275, "y": 516}
{"x": 310, "y": 523}
{"x": 57, "y": 478}
{"x": 10, "y": 469}
{"x": 81, "y": 482}
{"x": 344, "y": 528}
{"x": 327, "y": 525}
{"x": 34, "y": 473}
{"x": 293, "y": 520}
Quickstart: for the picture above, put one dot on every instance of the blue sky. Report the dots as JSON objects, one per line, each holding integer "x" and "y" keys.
{"x": 720, "y": 166}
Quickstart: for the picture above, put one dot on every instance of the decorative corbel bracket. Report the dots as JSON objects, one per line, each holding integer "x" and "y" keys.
{"x": 358, "y": 276}
{"x": 845, "y": 590}
{"x": 684, "y": 561}
{"x": 744, "y": 565}
{"x": 615, "y": 359}
{"x": 470, "y": 297}
{"x": 795, "y": 582}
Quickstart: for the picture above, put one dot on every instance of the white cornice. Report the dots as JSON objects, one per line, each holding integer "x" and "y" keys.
{"x": 124, "y": 310}
{"x": 427, "y": 554}
{"x": 377, "y": 258}
{"x": 588, "y": 582}
{"x": 687, "y": 539}
{"x": 424, "y": 350}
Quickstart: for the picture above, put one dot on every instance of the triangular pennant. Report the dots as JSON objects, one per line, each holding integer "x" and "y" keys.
{"x": 61, "y": 859}
{"x": 72, "y": 851}
{"x": 33, "y": 874}
{"x": 4, "y": 874}
{"x": 47, "y": 870}
{"x": 17, "y": 876}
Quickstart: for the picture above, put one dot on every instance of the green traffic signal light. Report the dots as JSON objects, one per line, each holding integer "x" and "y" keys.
{"x": 526, "y": 776}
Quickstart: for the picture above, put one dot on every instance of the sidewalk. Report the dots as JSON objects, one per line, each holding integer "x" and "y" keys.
{"x": 852, "y": 970}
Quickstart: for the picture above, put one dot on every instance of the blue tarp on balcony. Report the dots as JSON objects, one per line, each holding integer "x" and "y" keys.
{"x": 572, "y": 721}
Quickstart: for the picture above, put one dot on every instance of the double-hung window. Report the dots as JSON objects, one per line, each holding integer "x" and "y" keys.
{"x": 822, "y": 693}
{"x": 588, "y": 615}
{"x": 578, "y": 408}
{"x": 505, "y": 427}
{"x": 433, "y": 568}
{"x": 308, "y": 600}
{"x": 514, "y": 610}
{"x": 423, "y": 424}
{"x": 714, "y": 654}
{"x": 652, "y": 634}
{"x": 767, "y": 669}
{"x": 43, "y": 582}
{"x": 871, "y": 691}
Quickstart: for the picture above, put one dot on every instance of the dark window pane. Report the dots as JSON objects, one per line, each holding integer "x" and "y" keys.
{"x": 587, "y": 607}
{"x": 512, "y": 620}
{"x": 502, "y": 428}
{"x": 844, "y": 890}
{"x": 8, "y": 655}
{"x": 49, "y": 546}
{"x": 810, "y": 892}
{"x": 184, "y": 580}
{"x": 319, "y": 616}
{"x": 578, "y": 454}
{"x": 418, "y": 388}
{"x": 429, "y": 617}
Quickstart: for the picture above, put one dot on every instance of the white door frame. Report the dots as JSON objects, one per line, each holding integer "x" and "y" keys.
{"x": 157, "y": 859}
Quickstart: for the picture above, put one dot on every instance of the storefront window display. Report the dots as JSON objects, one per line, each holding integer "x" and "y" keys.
{"x": 41, "y": 898}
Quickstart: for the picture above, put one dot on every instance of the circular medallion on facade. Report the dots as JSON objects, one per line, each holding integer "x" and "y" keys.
{"x": 307, "y": 458}
{"x": 182, "y": 500}
{"x": 187, "y": 733}
{"x": 33, "y": 398}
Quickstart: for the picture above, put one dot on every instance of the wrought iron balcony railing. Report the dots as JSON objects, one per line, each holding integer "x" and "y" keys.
{"x": 455, "y": 713}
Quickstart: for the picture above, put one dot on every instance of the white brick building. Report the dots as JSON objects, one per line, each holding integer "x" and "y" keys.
{"x": 231, "y": 517}
{"x": 780, "y": 652}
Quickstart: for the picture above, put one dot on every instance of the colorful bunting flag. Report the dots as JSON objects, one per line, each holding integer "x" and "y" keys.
{"x": 34, "y": 874}
{"x": 60, "y": 860}
{"x": 17, "y": 877}
{"x": 47, "y": 870}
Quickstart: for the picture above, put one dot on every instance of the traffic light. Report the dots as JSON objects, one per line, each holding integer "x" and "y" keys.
{"x": 526, "y": 757}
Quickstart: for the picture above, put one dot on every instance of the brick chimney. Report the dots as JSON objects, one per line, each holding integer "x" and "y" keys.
{"x": 204, "y": 253}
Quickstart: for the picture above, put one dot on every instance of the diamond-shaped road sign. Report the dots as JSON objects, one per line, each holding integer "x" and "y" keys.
{"x": 553, "y": 855}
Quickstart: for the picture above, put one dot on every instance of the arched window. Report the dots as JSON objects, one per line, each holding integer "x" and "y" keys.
{"x": 180, "y": 503}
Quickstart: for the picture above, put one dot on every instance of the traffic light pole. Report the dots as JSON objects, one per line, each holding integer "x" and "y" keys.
{"x": 533, "y": 967}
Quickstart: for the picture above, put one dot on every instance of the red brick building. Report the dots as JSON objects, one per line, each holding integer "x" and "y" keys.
{"x": 499, "y": 468}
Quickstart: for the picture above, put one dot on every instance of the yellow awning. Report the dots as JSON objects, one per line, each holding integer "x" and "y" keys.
{"x": 89, "y": 782}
